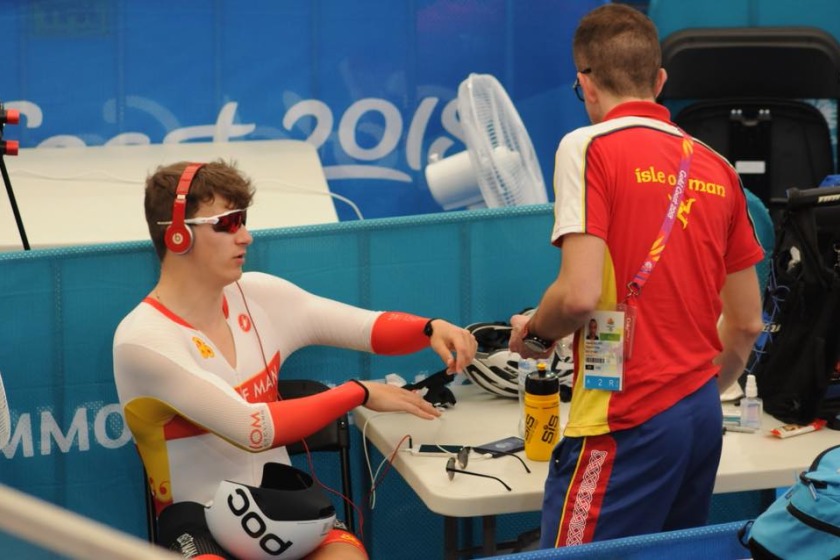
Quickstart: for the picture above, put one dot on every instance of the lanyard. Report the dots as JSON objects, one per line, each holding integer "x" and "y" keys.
{"x": 634, "y": 287}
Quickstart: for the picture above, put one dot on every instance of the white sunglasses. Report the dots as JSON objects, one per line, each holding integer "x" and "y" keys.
{"x": 229, "y": 221}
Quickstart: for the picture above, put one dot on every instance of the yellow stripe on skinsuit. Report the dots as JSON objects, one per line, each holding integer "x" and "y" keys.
{"x": 146, "y": 418}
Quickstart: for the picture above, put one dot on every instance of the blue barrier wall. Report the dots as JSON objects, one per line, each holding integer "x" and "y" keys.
{"x": 60, "y": 308}
{"x": 371, "y": 83}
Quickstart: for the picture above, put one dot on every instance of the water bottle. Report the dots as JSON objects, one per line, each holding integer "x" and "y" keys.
{"x": 526, "y": 366}
{"x": 542, "y": 413}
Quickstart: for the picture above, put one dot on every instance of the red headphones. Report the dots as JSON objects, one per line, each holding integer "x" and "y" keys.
{"x": 179, "y": 236}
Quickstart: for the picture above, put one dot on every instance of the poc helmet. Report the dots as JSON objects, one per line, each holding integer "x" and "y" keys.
{"x": 495, "y": 368}
{"x": 286, "y": 517}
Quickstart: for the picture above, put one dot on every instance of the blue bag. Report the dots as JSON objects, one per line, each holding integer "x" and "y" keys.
{"x": 805, "y": 521}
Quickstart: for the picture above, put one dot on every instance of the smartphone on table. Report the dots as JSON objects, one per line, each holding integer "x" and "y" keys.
{"x": 504, "y": 446}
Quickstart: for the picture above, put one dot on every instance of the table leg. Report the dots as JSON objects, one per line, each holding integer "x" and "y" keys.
{"x": 451, "y": 533}
{"x": 450, "y": 538}
{"x": 489, "y": 535}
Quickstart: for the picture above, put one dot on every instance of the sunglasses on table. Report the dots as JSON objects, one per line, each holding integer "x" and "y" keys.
{"x": 462, "y": 459}
{"x": 228, "y": 222}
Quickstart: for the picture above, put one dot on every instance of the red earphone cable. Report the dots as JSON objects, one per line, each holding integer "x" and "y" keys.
{"x": 305, "y": 446}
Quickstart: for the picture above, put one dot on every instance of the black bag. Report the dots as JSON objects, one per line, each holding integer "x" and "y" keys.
{"x": 796, "y": 361}
{"x": 804, "y": 523}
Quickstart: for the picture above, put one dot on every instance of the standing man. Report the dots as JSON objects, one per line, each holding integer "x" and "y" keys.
{"x": 659, "y": 249}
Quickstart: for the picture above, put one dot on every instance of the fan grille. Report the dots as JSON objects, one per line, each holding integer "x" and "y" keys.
{"x": 499, "y": 147}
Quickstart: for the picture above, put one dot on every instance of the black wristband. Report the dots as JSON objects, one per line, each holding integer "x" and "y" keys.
{"x": 535, "y": 342}
{"x": 365, "y": 389}
{"x": 428, "y": 330}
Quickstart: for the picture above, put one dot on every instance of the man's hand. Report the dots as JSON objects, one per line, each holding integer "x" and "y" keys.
{"x": 455, "y": 346}
{"x": 517, "y": 333}
{"x": 390, "y": 398}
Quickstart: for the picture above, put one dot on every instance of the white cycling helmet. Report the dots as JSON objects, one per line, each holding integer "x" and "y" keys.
{"x": 494, "y": 368}
{"x": 287, "y": 517}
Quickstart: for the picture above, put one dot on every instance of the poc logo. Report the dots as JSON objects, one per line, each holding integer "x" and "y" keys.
{"x": 255, "y": 527}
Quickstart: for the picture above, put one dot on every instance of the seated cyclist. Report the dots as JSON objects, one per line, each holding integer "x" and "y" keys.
{"x": 196, "y": 362}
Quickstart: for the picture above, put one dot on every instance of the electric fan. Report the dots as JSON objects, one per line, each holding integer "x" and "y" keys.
{"x": 499, "y": 167}
{"x": 5, "y": 423}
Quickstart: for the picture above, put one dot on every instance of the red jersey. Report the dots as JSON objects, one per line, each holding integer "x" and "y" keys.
{"x": 614, "y": 180}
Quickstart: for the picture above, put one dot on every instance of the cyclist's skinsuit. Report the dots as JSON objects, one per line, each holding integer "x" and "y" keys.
{"x": 197, "y": 420}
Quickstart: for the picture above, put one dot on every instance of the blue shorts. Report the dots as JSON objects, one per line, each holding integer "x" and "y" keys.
{"x": 658, "y": 476}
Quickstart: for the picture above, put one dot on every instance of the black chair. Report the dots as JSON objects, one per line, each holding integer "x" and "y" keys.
{"x": 741, "y": 90}
{"x": 335, "y": 437}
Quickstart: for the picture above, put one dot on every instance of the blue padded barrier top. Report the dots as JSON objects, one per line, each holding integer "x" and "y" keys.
{"x": 714, "y": 542}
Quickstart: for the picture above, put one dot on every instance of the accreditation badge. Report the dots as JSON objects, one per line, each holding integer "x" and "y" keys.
{"x": 603, "y": 351}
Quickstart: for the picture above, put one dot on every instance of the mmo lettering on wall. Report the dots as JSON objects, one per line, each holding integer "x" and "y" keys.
{"x": 41, "y": 434}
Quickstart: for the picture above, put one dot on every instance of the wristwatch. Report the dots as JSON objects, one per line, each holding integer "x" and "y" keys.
{"x": 537, "y": 344}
